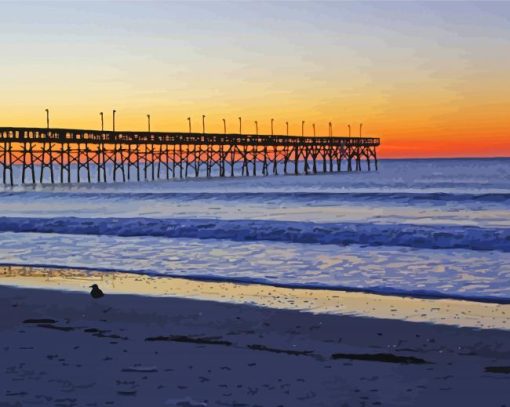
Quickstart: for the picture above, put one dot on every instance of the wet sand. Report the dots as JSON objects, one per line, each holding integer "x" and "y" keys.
{"x": 61, "y": 347}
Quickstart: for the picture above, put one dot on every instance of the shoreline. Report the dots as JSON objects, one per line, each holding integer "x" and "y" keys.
{"x": 61, "y": 347}
{"x": 421, "y": 294}
{"x": 443, "y": 311}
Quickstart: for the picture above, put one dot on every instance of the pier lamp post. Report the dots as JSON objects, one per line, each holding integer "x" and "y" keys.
{"x": 113, "y": 119}
{"x": 313, "y": 125}
{"x": 302, "y": 128}
{"x": 272, "y": 121}
{"x": 189, "y": 124}
{"x": 330, "y": 129}
{"x": 203, "y": 124}
{"x": 240, "y": 124}
{"x": 224, "y": 126}
{"x": 360, "y": 127}
{"x": 149, "y": 123}
{"x": 256, "y": 127}
{"x": 47, "y": 118}
{"x": 287, "y": 124}
{"x": 102, "y": 120}
{"x": 349, "y": 127}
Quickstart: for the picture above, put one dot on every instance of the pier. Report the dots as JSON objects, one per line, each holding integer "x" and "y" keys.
{"x": 42, "y": 155}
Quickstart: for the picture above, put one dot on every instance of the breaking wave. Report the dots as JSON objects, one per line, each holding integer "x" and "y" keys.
{"x": 408, "y": 235}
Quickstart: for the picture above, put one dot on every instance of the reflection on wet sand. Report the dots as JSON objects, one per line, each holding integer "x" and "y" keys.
{"x": 443, "y": 311}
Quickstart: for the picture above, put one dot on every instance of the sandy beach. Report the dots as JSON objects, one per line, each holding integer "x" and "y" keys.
{"x": 255, "y": 203}
{"x": 61, "y": 347}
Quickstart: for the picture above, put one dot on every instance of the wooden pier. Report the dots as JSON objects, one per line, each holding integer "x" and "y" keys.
{"x": 40, "y": 155}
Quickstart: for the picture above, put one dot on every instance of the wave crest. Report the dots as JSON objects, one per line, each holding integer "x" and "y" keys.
{"x": 416, "y": 236}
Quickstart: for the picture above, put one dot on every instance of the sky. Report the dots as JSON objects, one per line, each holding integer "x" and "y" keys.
{"x": 431, "y": 79}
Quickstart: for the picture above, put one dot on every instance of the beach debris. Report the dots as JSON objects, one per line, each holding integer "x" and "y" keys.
{"x": 189, "y": 339}
{"x": 127, "y": 392}
{"x": 39, "y": 321}
{"x": 96, "y": 291}
{"x": 498, "y": 369}
{"x": 103, "y": 333}
{"x": 380, "y": 357}
{"x": 141, "y": 369}
{"x": 58, "y": 328}
{"x": 185, "y": 402}
{"x": 286, "y": 351}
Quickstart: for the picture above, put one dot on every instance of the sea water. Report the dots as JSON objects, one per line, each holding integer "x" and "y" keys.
{"x": 415, "y": 227}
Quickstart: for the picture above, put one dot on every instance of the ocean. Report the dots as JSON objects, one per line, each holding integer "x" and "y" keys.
{"x": 438, "y": 228}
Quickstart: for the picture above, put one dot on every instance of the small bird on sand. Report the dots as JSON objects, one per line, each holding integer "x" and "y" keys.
{"x": 96, "y": 291}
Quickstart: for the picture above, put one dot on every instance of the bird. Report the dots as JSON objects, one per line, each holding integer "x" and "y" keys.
{"x": 96, "y": 291}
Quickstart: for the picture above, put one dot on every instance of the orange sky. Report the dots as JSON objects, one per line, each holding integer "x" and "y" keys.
{"x": 431, "y": 79}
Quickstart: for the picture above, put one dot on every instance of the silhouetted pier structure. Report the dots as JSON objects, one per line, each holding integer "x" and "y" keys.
{"x": 69, "y": 155}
